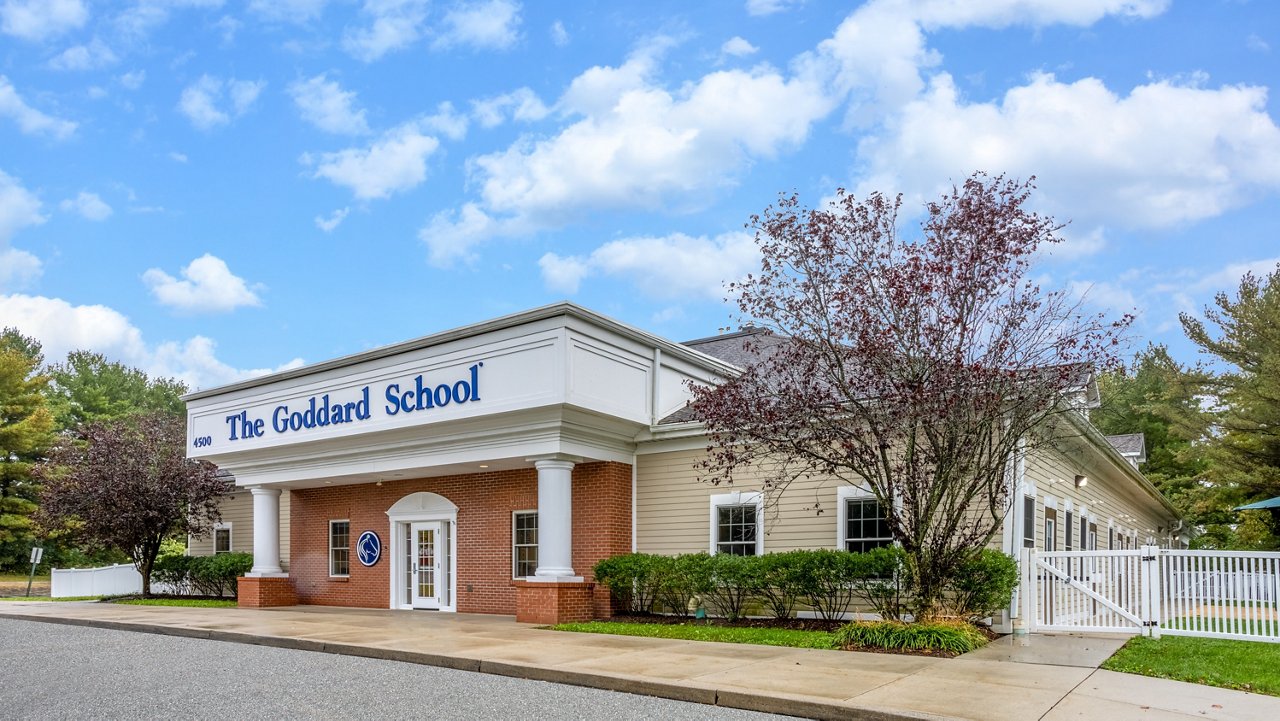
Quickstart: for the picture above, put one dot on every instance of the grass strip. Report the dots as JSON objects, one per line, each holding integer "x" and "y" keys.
{"x": 184, "y": 602}
{"x": 695, "y": 632}
{"x": 1242, "y": 665}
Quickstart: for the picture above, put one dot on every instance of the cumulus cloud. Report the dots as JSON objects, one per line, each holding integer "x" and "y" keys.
{"x": 737, "y": 47}
{"x": 520, "y": 104}
{"x": 673, "y": 266}
{"x": 31, "y": 121}
{"x": 18, "y": 269}
{"x": 299, "y": 12}
{"x": 1163, "y": 154}
{"x": 62, "y": 327}
{"x": 94, "y": 55}
{"x": 559, "y": 35}
{"x": 486, "y": 24}
{"x": 760, "y": 8}
{"x": 324, "y": 104}
{"x": 19, "y": 208}
{"x": 393, "y": 163}
{"x": 87, "y": 205}
{"x": 212, "y": 101}
{"x": 132, "y": 80}
{"x": 207, "y": 286}
{"x": 333, "y": 221}
{"x": 37, "y": 20}
{"x": 391, "y": 25}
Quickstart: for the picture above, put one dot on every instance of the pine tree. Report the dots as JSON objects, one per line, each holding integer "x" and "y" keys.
{"x": 26, "y": 431}
{"x": 1245, "y": 340}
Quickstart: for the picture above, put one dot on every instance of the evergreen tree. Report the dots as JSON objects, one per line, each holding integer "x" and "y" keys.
{"x": 1243, "y": 335}
{"x": 26, "y": 431}
{"x": 88, "y": 387}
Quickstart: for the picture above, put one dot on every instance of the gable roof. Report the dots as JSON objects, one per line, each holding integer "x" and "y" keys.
{"x": 1130, "y": 445}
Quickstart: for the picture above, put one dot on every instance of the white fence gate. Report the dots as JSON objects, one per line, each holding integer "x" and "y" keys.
{"x": 1219, "y": 594}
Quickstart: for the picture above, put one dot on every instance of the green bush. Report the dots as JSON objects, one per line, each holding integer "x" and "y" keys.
{"x": 781, "y": 581}
{"x": 174, "y": 572}
{"x": 882, "y": 578}
{"x": 632, "y": 579}
{"x": 826, "y": 580}
{"x": 984, "y": 584}
{"x": 733, "y": 581}
{"x": 681, "y": 579}
{"x": 948, "y": 637}
{"x": 216, "y": 575}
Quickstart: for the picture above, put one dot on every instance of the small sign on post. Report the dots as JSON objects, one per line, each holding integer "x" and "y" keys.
{"x": 36, "y": 554}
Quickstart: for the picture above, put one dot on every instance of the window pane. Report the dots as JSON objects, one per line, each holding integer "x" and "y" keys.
{"x": 867, "y": 527}
{"x": 736, "y": 530}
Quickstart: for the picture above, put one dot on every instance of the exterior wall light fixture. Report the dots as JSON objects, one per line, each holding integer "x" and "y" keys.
{"x": 1082, "y": 481}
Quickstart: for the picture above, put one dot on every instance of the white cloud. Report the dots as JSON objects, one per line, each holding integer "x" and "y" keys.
{"x": 40, "y": 19}
{"x": 486, "y": 24}
{"x": 737, "y": 47}
{"x": 672, "y": 266}
{"x": 18, "y": 269}
{"x": 1227, "y": 279}
{"x": 520, "y": 104}
{"x": 333, "y": 221}
{"x": 88, "y": 205}
{"x": 19, "y": 208}
{"x": 395, "y": 162}
{"x": 1255, "y": 43}
{"x": 31, "y": 121}
{"x": 133, "y": 80}
{"x": 324, "y": 104}
{"x": 559, "y": 35}
{"x": 207, "y": 286}
{"x": 62, "y": 327}
{"x": 1165, "y": 154}
{"x": 299, "y": 12}
{"x": 177, "y": 157}
{"x": 759, "y": 8}
{"x": 446, "y": 121}
{"x": 138, "y": 19}
{"x": 203, "y": 102}
{"x": 451, "y": 236}
{"x": 84, "y": 57}
{"x": 393, "y": 25}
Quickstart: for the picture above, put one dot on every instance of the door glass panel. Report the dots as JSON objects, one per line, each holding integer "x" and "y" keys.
{"x": 426, "y": 563}
{"x": 408, "y": 563}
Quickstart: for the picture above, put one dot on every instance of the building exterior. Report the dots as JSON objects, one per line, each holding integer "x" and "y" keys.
{"x": 486, "y": 469}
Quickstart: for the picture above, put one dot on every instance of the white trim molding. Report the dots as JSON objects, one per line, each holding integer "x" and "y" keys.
{"x": 420, "y": 507}
{"x": 737, "y": 498}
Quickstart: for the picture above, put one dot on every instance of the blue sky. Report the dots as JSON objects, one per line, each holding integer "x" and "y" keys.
{"x": 213, "y": 188}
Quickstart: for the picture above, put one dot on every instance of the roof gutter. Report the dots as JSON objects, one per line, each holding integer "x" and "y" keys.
{"x": 1100, "y": 441}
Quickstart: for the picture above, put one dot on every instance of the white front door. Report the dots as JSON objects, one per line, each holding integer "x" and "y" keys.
{"x": 428, "y": 559}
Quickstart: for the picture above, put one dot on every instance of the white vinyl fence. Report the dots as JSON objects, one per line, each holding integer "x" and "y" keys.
{"x": 105, "y": 581}
{"x": 1153, "y": 591}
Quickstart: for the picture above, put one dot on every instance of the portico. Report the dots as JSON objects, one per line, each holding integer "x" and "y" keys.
{"x": 466, "y": 457}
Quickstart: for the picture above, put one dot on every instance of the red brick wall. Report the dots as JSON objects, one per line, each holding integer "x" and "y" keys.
{"x": 257, "y": 592}
{"x": 601, "y": 527}
{"x": 552, "y": 603}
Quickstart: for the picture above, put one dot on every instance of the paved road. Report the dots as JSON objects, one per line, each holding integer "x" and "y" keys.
{"x": 63, "y": 672}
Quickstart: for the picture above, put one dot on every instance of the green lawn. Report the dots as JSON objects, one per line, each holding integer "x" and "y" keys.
{"x": 187, "y": 602}
{"x": 1244, "y": 665}
{"x": 22, "y": 577}
{"x": 691, "y": 632}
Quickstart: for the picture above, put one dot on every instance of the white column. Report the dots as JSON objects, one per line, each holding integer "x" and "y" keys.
{"x": 555, "y": 520}
{"x": 266, "y": 532}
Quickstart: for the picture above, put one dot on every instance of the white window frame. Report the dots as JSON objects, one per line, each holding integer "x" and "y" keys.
{"x": 333, "y": 548}
{"x": 230, "y": 537}
{"x": 737, "y": 498}
{"x": 515, "y": 557}
{"x": 843, "y": 495}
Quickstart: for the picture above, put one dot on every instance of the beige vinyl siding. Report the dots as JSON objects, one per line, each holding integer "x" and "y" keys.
{"x": 673, "y": 509}
{"x": 237, "y": 509}
{"x": 1109, "y": 496}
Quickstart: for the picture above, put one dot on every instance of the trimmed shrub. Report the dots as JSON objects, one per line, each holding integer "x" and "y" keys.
{"x": 174, "y": 572}
{"x": 984, "y": 584}
{"x": 781, "y": 581}
{"x": 733, "y": 582}
{"x": 632, "y": 579}
{"x": 216, "y": 575}
{"x": 826, "y": 579}
{"x": 682, "y": 579}
{"x": 882, "y": 578}
{"x": 947, "y": 637}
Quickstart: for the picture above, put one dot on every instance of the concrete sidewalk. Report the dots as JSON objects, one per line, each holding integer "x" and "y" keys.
{"x": 1053, "y": 678}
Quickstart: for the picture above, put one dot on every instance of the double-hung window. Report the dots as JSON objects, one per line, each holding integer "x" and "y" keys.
{"x": 1028, "y": 521}
{"x": 222, "y": 538}
{"x": 339, "y": 548}
{"x": 524, "y": 543}
{"x": 862, "y": 520}
{"x": 735, "y": 524}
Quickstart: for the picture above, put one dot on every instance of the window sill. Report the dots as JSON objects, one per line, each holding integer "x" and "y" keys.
{"x": 339, "y": 579}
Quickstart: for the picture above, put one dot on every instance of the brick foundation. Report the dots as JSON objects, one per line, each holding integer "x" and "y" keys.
{"x": 554, "y": 602}
{"x": 485, "y": 501}
{"x": 256, "y": 592}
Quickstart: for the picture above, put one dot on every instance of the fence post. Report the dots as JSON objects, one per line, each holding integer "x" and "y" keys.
{"x": 1028, "y": 593}
{"x": 1150, "y": 591}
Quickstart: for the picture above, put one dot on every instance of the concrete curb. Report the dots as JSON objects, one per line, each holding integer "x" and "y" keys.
{"x": 783, "y": 704}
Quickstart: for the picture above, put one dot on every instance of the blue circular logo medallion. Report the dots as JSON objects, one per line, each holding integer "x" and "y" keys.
{"x": 369, "y": 548}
